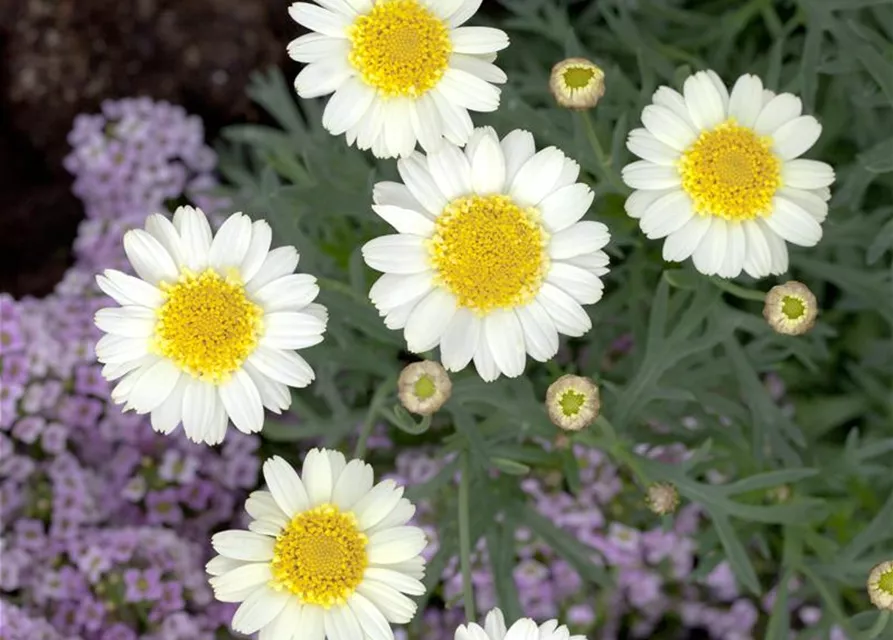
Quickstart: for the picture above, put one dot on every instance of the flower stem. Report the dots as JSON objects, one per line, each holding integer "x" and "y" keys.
{"x": 879, "y": 626}
{"x": 604, "y": 161}
{"x": 378, "y": 399}
{"x": 465, "y": 537}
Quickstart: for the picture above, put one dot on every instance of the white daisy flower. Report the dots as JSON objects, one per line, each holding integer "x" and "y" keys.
{"x": 206, "y": 332}
{"x": 722, "y": 179}
{"x": 490, "y": 260}
{"x": 327, "y": 554}
{"x": 402, "y": 71}
{"x": 524, "y": 629}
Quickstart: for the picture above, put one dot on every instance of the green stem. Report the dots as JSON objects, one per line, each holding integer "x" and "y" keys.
{"x": 879, "y": 626}
{"x": 465, "y": 538}
{"x": 604, "y": 161}
{"x": 738, "y": 290}
{"x": 378, "y": 399}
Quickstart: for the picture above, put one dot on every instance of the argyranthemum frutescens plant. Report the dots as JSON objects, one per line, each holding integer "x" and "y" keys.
{"x": 799, "y": 491}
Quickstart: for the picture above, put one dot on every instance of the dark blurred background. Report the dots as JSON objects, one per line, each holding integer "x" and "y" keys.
{"x": 59, "y": 58}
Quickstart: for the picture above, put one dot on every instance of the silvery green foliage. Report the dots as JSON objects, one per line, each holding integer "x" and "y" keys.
{"x": 702, "y": 354}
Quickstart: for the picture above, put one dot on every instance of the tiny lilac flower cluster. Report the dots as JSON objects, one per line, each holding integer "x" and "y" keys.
{"x": 129, "y": 161}
{"x": 105, "y": 523}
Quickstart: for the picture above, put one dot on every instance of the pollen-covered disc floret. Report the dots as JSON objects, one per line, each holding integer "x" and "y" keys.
{"x": 577, "y": 83}
{"x": 524, "y": 629}
{"x": 721, "y": 178}
{"x": 402, "y": 71}
{"x": 205, "y": 334}
{"x": 791, "y": 308}
{"x": 880, "y": 586}
{"x": 490, "y": 261}
{"x": 326, "y": 552}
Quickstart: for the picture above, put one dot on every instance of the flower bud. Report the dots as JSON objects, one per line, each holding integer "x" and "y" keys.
{"x": 577, "y": 83}
{"x": 663, "y": 498}
{"x": 423, "y": 387}
{"x": 572, "y": 402}
{"x": 880, "y": 586}
{"x": 790, "y": 308}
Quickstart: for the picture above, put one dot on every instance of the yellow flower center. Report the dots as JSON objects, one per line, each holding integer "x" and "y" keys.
{"x": 793, "y": 307}
{"x": 571, "y": 402}
{"x": 320, "y": 556}
{"x": 731, "y": 173}
{"x": 424, "y": 387}
{"x": 578, "y": 77}
{"x": 489, "y": 252}
{"x": 207, "y": 325}
{"x": 400, "y": 47}
{"x": 885, "y": 583}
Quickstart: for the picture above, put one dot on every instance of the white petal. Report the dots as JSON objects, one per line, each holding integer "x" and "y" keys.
{"x": 164, "y": 231}
{"x": 705, "y": 105}
{"x": 230, "y": 245}
{"x": 318, "y": 19}
{"x": 218, "y": 565}
{"x": 540, "y": 334}
{"x": 396, "y": 253}
{"x": 517, "y": 147}
{"x": 711, "y": 251}
{"x": 274, "y": 395}
{"x": 199, "y": 406}
{"x": 287, "y": 623}
{"x": 781, "y": 109}
{"x": 373, "y": 507}
{"x": 488, "y": 167}
{"x": 796, "y": 137}
{"x": 243, "y": 545}
{"x": 581, "y": 285}
{"x": 537, "y": 177}
{"x": 460, "y": 340}
{"x": 195, "y": 232}
{"x": 816, "y": 205}
{"x": 736, "y": 250}
{"x": 395, "y": 606}
{"x": 451, "y": 171}
{"x": 667, "y": 214}
{"x": 169, "y": 413}
{"x": 468, "y": 91}
{"x": 292, "y": 330}
{"x": 261, "y": 505}
{"x": 393, "y": 290}
{"x": 405, "y": 220}
{"x": 746, "y": 100}
{"x": 370, "y": 619}
{"x": 457, "y": 125}
{"x": 127, "y": 290}
{"x": 149, "y": 258}
{"x": 286, "y": 486}
{"x": 288, "y": 293}
{"x": 242, "y": 403}
{"x": 353, "y": 483}
{"x": 279, "y": 262}
{"x": 399, "y": 581}
{"x": 477, "y": 40}
{"x": 721, "y": 89}
{"x": 258, "y": 248}
{"x": 495, "y": 624}
{"x": 396, "y": 194}
{"x": 673, "y": 100}
{"x": 758, "y": 257}
{"x": 503, "y": 333}
{"x": 642, "y": 143}
{"x": 668, "y": 127}
{"x": 567, "y": 314}
{"x": 681, "y": 244}
{"x": 645, "y": 175}
{"x": 777, "y": 248}
{"x": 154, "y": 386}
{"x": 127, "y": 322}
{"x": 583, "y": 237}
{"x": 259, "y": 609}
{"x": 564, "y": 207}
{"x": 426, "y": 123}
{"x": 342, "y": 624}
{"x": 398, "y": 516}
{"x": 429, "y": 320}
{"x": 465, "y": 11}
{"x": 395, "y": 545}
{"x": 243, "y": 576}
{"x": 317, "y": 477}
{"x": 639, "y": 201}
{"x": 483, "y": 359}
{"x": 322, "y": 78}
{"x": 282, "y": 365}
{"x": 793, "y": 223}
{"x": 414, "y": 172}
{"x": 398, "y": 137}
{"x": 475, "y": 66}
{"x": 806, "y": 174}
{"x": 315, "y": 47}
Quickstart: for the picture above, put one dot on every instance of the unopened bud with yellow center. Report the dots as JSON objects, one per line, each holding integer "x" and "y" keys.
{"x": 572, "y": 402}
{"x": 423, "y": 387}
{"x": 880, "y": 586}
{"x": 577, "y": 83}
{"x": 790, "y": 308}
{"x": 663, "y": 498}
